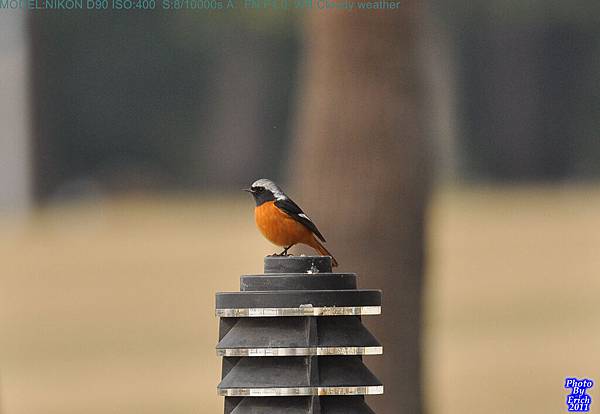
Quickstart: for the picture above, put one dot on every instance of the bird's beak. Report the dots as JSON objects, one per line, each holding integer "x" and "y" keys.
{"x": 248, "y": 190}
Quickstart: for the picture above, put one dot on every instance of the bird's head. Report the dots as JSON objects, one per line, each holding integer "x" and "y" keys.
{"x": 264, "y": 190}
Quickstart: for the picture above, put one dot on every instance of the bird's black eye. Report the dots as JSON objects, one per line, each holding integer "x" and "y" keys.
{"x": 258, "y": 189}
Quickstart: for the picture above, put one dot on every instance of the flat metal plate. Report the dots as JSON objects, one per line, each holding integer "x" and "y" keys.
{"x": 300, "y": 311}
{"x": 299, "y": 299}
{"x": 321, "y": 351}
{"x": 296, "y": 391}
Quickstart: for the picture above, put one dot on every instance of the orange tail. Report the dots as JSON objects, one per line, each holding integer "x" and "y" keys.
{"x": 318, "y": 246}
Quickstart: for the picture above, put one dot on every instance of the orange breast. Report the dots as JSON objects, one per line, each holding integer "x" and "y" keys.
{"x": 279, "y": 228}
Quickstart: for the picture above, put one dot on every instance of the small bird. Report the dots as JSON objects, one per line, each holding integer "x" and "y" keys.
{"x": 282, "y": 222}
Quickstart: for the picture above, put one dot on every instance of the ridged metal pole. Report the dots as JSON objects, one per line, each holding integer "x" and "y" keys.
{"x": 292, "y": 340}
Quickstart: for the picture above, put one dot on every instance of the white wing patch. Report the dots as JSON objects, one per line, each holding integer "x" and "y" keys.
{"x": 304, "y": 216}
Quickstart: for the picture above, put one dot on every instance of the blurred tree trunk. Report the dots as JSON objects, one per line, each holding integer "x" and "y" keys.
{"x": 360, "y": 169}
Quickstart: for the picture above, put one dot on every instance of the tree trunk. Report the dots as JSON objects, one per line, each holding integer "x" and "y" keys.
{"x": 360, "y": 169}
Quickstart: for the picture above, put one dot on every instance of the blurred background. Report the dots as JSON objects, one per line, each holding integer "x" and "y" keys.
{"x": 449, "y": 151}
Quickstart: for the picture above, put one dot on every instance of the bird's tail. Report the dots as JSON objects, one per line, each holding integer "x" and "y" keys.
{"x": 318, "y": 246}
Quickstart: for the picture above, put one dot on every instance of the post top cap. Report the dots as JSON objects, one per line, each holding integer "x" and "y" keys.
{"x": 297, "y": 264}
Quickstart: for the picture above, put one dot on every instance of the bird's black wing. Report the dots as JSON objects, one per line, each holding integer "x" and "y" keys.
{"x": 295, "y": 212}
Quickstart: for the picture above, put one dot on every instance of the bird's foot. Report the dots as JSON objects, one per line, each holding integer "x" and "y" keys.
{"x": 284, "y": 252}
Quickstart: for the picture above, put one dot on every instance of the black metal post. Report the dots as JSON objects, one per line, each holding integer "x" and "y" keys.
{"x": 292, "y": 340}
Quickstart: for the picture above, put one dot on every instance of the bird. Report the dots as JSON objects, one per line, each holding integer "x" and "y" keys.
{"x": 282, "y": 221}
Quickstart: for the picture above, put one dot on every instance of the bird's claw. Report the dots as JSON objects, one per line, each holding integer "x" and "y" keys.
{"x": 284, "y": 252}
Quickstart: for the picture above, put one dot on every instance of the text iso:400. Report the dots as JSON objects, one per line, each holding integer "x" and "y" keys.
{"x": 121, "y": 4}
